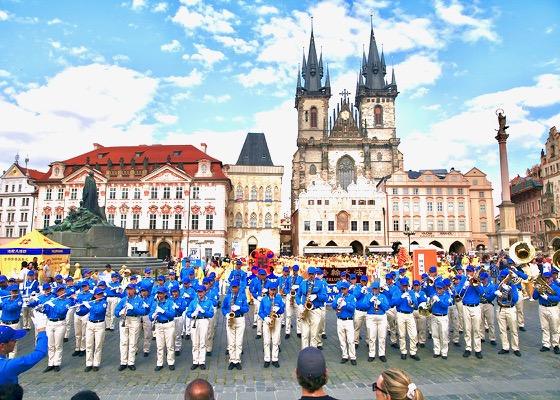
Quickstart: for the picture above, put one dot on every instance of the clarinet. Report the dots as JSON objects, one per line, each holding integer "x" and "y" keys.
{"x": 123, "y": 323}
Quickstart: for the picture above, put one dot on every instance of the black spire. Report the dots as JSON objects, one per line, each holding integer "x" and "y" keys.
{"x": 313, "y": 71}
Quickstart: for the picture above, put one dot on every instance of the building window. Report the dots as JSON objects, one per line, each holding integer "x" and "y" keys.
{"x": 415, "y": 206}
{"x": 313, "y": 115}
{"x": 24, "y": 202}
{"x": 179, "y": 192}
{"x": 461, "y": 206}
{"x": 345, "y": 172}
{"x": 483, "y": 226}
{"x": 112, "y": 193}
{"x": 254, "y": 193}
{"x": 268, "y": 221}
{"x": 195, "y": 193}
{"x": 46, "y": 221}
{"x": 430, "y": 225}
{"x": 428, "y": 190}
{"x": 440, "y": 225}
{"x": 439, "y": 205}
{"x": 371, "y": 202}
{"x": 165, "y": 221}
{"x": 450, "y": 207}
{"x": 415, "y": 191}
{"x": 48, "y": 194}
{"x": 318, "y": 226}
{"x": 450, "y": 191}
{"x": 353, "y": 226}
{"x": 379, "y": 157}
{"x": 475, "y": 181}
{"x": 22, "y": 231}
{"x": 307, "y": 226}
{"x": 312, "y": 169}
{"x": 166, "y": 192}
{"x": 395, "y": 206}
{"x": 460, "y": 191}
{"x": 136, "y": 193}
{"x": 124, "y": 193}
{"x": 11, "y": 202}
{"x": 238, "y": 220}
{"x": 239, "y": 193}
{"x": 152, "y": 224}
{"x": 405, "y": 190}
{"x": 319, "y": 202}
{"x": 439, "y": 191}
{"x": 451, "y": 225}
{"x": 430, "y": 206}
{"x": 378, "y": 115}
{"x": 23, "y": 217}
{"x": 395, "y": 190}
{"x": 123, "y": 221}
{"x": 194, "y": 221}
{"x": 60, "y": 194}
{"x": 481, "y": 195}
{"x": 9, "y": 231}
{"x": 310, "y": 202}
{"x": 353, "y": 202}
{"x": 482, "y": 209}
{"x": 330, "y": 226}
{"x": 110, "y": 219}
{"x": 268, "y": 194}
{"x": 396, "y": 225}
{"x": 462, "y": 226}
{"x": 253, "y": 221}
{"x": 416, "y": 224}
{"x": 365, "y": 226}
{"x": 73, "y": 193}
{"x": 406, "y": 206}
{"x": 326, "y": 202}
{"x": 135, "y": 221}
{"x": 153, "y": 193}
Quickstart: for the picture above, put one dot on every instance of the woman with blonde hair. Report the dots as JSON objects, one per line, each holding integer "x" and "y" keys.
{"x": 396, "y": 385}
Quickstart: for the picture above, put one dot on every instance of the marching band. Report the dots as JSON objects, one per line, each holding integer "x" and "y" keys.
{"x": 172, "y": 310}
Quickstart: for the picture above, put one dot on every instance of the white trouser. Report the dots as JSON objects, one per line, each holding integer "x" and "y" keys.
{"x": 110, "y": 314}
{"x": 520, "y": 311}
{"x": 211, "y": 331}
{"x": 323, "y": 321}
{"x": 290, "y": 311}
{"x": 198, "y": 337}
{"x": 377, "y": 332}
{"x": 507, "y": 317}
{"x": 80, "y": 324}
{"x": 359, "y": 319}
{"x": 550, "y": 322}
{"x": 440, "y": 334}
{"x": 129, "y": 334}
{"x": 256, "y": 319}
{"x": 235, "y": 338}
{"x": 461, "y": 313}
{"x": 69, "y": 317}
{"x": 421, "y": 326}
{"x": 55, "y": 336}
{"x": 271, "y": 335}
{"x": 310, "y": 328}
{"x": 345, "y": 330}
{"x": 26, "y": 313}
{"x": 453, "y": 314}
{"x": 407, "y": 325}
{"x": 95, "y": 336}
{"x": 392, "y": 322}
{"x": 147, "y": 329}
{"x": 188, "y": 323}
{"x": 179, "y": 324}
{"x": 165, "y": 336}
{"x": 487, "y": 318}
{"x": 472, "y": 328}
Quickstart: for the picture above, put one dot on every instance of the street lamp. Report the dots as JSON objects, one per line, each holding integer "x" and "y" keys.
{"x": 408, "y": 233}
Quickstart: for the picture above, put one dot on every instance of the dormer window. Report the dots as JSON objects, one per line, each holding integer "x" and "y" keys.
{"x": 138, "y": 154}
{"x": 177, "y": 153}
{"x": 101, "y": 155}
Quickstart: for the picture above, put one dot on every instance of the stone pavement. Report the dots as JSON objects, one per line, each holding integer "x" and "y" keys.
{"x": 533, "y": 376}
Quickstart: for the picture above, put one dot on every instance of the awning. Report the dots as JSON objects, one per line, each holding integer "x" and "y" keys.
{"x": 380, "y": 249}
{"x": 327, "y": 250}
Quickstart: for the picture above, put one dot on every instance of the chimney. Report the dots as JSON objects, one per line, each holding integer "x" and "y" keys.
{"x": 203, "y": 147}
{"x": 96, "y": 146}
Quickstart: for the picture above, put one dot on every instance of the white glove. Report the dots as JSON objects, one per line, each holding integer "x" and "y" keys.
{"x": 50, "y": 303}
{"x": 267, "y": 320}
{"x": 467, "y": 283}
{"x": 199, "y": 309}
{"x": 235, "y": 307}
{"x": 265, "y": 291}
{"x": 498, "y": 293}
{"x": 185, "y": 295}
{"x": 417, "y": 295}
{"x": 404, "y": 295}
{"x": 145, "y": 305}
{"x": 175, "y": 306}
{"x": 129, "y": 306}
{"x": 385, "y": 287}
{"x": 39, "y": 320}
{"x": 435, "y": 298}
{"x": 194, "y": 314}
{"x": 276, "y": 309}
{"x": 377, "y": 302}
{"x": 123, "y": 312}
{"x": 295, "y": 287}
{"x": 86, "y": 304}
{"x": 259, "y": 298}
{"x": 342, "y": 304}
{"x": 506, "y": 287}
{"x": 364, "y": 289}
{"x": 544, "y": 296}
{"x": 422, "y": 305}
{"x": 160, "y": 310}
{"x": 154, "y": 315}
{"x": 312, "y": 297}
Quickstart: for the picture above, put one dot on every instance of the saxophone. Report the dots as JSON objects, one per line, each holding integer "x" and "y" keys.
{"x": 273, "y": 316}
{"x": 231, "y": 315}
{"x": 308, "y": 305}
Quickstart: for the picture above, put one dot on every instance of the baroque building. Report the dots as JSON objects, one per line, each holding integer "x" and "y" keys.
{"x": 356, "y": 146}
{"x": 255, "y": 202}
{"x": 171, "y": 199}
{"x": 550, "y": 199}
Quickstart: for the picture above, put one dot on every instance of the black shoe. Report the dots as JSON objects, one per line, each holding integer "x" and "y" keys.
{"x": 493, "y": 343}
{"x": 230, "y": 366}
{"x": 320, "y": 347}
{"x": 107, "y": 329}
{"x": 49, "y": 368}
{"x": 95, "y": 369}
{"x": 279, "y": 349}
{"x": 517, "y": 353}
{"x": 177, "y": 353}
{"x": 444, "y": 357}
{"x": 370, "y": 359}
{"x": 344, "y": 361}
{"x": 188, "y": 337}
{"x": 194, "y": 366}
{"x": 356, "y": 345}
{"x": 299, "y": 335}
{"x": 132, "y": 367}
{"x": 82, "y": 353}
{"x": 487, "y": 330}
{"x": 266, "y": 364}
{"x": 394, "y": 345}
{"x": 238, "y": 366}
{"x": 203, "y": 366}
{"x": 158, "y": 368}
{"x": 383, "y": 358}
{"x": 209, "y": 353}
{"x": 56, "y": 368}
{"x": 502, "y": 351}
{"x": 172, "y": 367}
{"x": 522, "y": 328}
{"x": 258, "y": 337}
{"x": 415, "y": 357}
{"x": 254, "y": 326}
{"x": 483, "y": 340}
{"x": 275, "y": 364}
{"x": 324, "y": 336}
{"x": 121, "y": 367}
{"x": 76, "y": 353}
{"x": 154, "y": 338}
{"x": 457, "y": 344}
{"x": 429, "y": 336}
{"x": 287, "y": 336}
{"x": 65, "y": 340}
{"x": 422, "y": 345}
{"x": 556, "y": 350}
{"x": 478, "y": 355}
{"x": 353, "y": 362}
{"x": 146, "y": 354}
{"x": 544, "y": 348}
{"x": 227, "y": 352}
{"x": 403, "y": 356}
{"x": 88, "y": 368}
{"x": 460, "y": 332}
{"x": 435, "y": 355}
{"x": 467, "y": 353}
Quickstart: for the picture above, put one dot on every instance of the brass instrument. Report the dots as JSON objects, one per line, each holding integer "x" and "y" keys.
{"x": 273, "y": 316}
{"x": 231, "y": 315}
{"x": 475, "y": 280}
{"x": 521, "y": 252}
{"x": 308, "y": 305}
{"x": 375, "y": 308}
{"x": 542, "y": 286}
{"x": 292, "y": 297}
{"x": 427, "y": 311}
{"x": 505, "y": 293}
{"x": 432, "y": 281}
{"x": 339, "y": 301}
{"x": 453, "y": 270}
{"x": 556, "y": 260}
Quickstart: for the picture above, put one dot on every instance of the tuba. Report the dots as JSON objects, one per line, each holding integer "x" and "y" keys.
{"x": 521, "y": 252}
{"x": 556, "y": 260}
{"x": 500, "y": 287}
{"x": 542, "y": 286}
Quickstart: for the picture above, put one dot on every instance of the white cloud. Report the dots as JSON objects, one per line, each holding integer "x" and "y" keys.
{"x": 204, "y": 17}
{"x": 266, "y": 10}
{"x": 433, "y": 107}
{"x": 54, "y": 21}
{"x": 138, "y": 5}
{"x": 259, "y": 76}
{"x": 4, "y": 15}
{"x": 160, "y": 7}
{"x": 238, "y": 45}
{"x": 166, "y": 119}
{"x": 4, "y": 73}
{"x": 121, "y": 58}
{"x": 417, "y": 70}
{"x": 205, "y": 55}
{"x": 217, "y": 99}
{"x": 476, "y": 27}
{"x": 78, "y": 50}
{"x": 173, "y": 47}
{"x": 420, "y": 92}
{"x": 56, "y": 45}
{"x": 195, "y": 78}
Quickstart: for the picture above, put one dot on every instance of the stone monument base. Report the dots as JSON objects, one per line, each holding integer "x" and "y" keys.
{"x": 98, "y": 241}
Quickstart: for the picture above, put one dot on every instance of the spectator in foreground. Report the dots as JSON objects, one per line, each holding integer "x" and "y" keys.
{"x": 395, "y": 384}
{"x": 311, "y": 373}
{"x": 199, "y": 389}
{"x": 85, "y": 395}
{"x": 11, "y": 391}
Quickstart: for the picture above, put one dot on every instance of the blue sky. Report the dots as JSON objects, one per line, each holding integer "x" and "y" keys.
{"x": 143, "y": 72}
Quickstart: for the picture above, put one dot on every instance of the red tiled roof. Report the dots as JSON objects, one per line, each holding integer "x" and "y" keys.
{"x": 34, "y": 174}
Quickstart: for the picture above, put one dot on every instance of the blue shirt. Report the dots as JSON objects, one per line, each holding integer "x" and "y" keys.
{"x": 81, "y": 298}
{"x": 137, "y": 307}
{"x": 148, "y": 282}
{"x": 266, "y": 305}
{"x": 442, "y": 305}
{"x": 318, "y": 289}
{"x": 239, "y": 299}
{"x": 359, "y": 293}
{"x": 113, "y": 289}
{"x": 347, "y": 310}
{"x": 11, "y": 308}
{"x": 403, "y": 304}
{"x": 179, "y": 305}
{"x": 205, "y": 304}
{"x": 98, "y": 309}
{"x": 60, "y": 308}
{"x": 168, "y": 311}
{"x": 381, "y": 308}
{"x": 551, "y": 298}
{"x": 10, "y": 369}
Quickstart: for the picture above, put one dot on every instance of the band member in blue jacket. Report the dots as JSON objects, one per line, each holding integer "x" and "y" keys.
{"x": 470, "y": 291}
{"x": 440, "y": 301}
{"x": 487, "y": 313}
{"x": 258, "y": 291}
{"x": 180, "y": 306}
{"x": 200, "y": 310}
{"x": 360, "y": 293}
{"x": 130, "y": 310}
{"x": 344, "y": 305}
{"x": 56, "y": 310}
{"x": 506, "y": 296}
{"x": 30, "y": 289}
{"x": 234, "y": 308}
{"x": 293, "y": 283}
{"x": 421, "y": 323}
{"x": 270, "y": 310}
{"x": 95, "y": 330}
{"x": 406, "y": 302}
{"x": 549, "y": 313}
{"x": 376, "y": 321}
{"x": 162, "y": 315}
{"x": 313, "y": 291}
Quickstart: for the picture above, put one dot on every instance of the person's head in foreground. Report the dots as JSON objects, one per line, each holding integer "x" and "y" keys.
{"x": 311, "y": 370}
{"x": 199, "y": 389}
{"x": 85, "y": 395}
{"x": 396, "y": 385}
{"x": 11, "y": 391}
